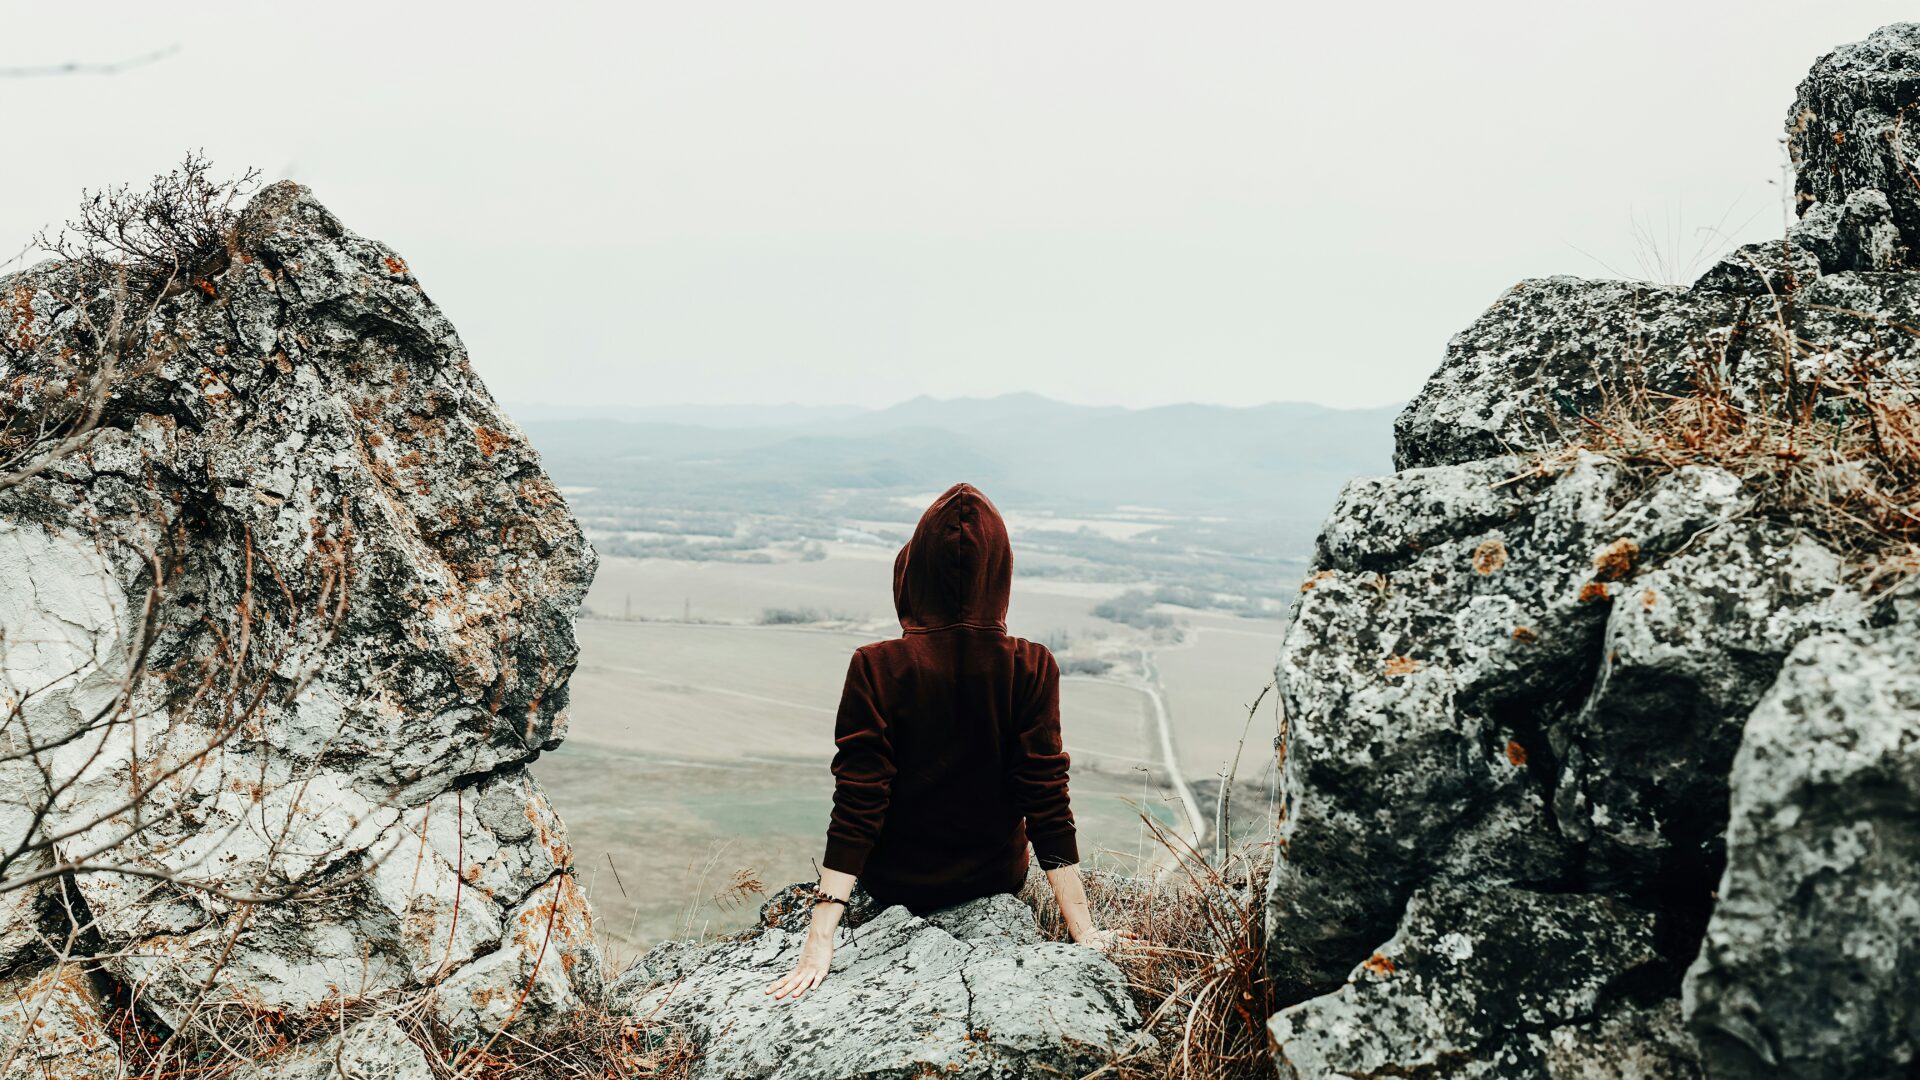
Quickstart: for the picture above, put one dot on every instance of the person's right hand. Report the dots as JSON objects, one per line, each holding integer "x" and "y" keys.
{"x": 1109, "y": 941}
{"x": 816, "y": 958}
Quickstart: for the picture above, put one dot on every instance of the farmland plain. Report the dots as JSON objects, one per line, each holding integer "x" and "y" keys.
{"x": 696, "y": 761}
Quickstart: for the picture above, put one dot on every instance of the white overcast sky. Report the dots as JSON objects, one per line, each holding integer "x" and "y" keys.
{"x": 827, "y": 201}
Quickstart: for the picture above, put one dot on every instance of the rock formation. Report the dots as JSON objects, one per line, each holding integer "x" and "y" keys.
{"x": 967, "y": 992}
{"x": 1603, "y": 770}
{"x": 281, "y": 636}
{"x": 1553, "y": 349}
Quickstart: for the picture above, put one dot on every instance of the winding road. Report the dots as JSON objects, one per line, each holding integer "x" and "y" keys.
{"x": 1169, "y": 759}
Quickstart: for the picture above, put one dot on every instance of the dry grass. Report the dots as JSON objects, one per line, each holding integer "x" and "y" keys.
{"x": 1825, "y": 438}
{"x": 593, "y": 1044}
{"x": 1198, "y": 973}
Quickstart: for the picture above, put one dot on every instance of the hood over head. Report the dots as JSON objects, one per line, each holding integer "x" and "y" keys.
{"x": 958, "y": 568}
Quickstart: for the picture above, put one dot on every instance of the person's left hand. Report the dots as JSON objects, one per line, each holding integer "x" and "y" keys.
{"x": 816, "y": 957}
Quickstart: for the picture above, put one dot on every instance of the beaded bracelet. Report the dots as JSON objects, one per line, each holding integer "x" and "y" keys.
{"x": 822, "y": 896}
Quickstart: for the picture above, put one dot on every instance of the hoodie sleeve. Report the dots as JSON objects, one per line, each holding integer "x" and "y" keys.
{"x": 1040, "y": 771}
{"x": 862, "y": 772}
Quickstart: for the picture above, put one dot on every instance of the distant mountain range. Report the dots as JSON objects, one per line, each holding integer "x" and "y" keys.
{"x": 1268, "y": 472}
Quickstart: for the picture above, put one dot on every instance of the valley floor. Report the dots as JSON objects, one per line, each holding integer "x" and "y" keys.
{"x": 696, "y": 762}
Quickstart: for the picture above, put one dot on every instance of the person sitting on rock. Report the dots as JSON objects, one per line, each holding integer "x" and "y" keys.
{"x": 948, "y": 760}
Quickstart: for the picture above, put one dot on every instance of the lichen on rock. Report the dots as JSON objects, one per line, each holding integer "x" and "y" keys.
{"x": 968, "y": 992}
{"x": 1807, "y": 969}
{"x": 297, "y": 614}
{"x": 1529, "y": 677}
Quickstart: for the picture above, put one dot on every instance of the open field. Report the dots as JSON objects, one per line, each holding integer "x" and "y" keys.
{"x": 699, "y": 750}
{"x": 1210, "y": 679}
{"x": 677, "y": 831}
{"x": 854, "y": 580}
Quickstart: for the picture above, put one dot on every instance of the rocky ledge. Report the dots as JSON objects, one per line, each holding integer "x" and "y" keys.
{"x": 1595, "y": 769}
{"x": 967, "y": 992}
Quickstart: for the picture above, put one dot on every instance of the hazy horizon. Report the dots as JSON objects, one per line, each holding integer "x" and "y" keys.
{"x": 553, "y": 408}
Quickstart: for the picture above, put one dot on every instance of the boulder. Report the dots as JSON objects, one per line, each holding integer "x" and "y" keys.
{"x": 1848, "y": 130}
{"x": 340, "y": 589}
{"x": 1811, "y": 965}
{"x": 1552, "y": 351}
{"x": 1470, "y": 669}
{"x": 968, "y": 991}
{"x": 1501, "y": 983}
{"x": 1858, "y": 233}
{"x": 1553, "y": 355}
{"x": 369, "y": 1050}
{"x": 52, "y": 1029}
{"x": 1692, "y": 642}
{"x": 1525, "y": 682}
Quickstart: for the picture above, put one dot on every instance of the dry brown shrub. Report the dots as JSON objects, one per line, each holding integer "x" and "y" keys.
{"x": 1827, "y": 438}
{"x": 595, "y": 1044}
{"x": 1198, "y": 969}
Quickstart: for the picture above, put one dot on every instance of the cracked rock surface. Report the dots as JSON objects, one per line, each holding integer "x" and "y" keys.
{"x": 968, "y": 991}
{"x": 1552, "y": 349}
{"x": 1564, "y": 736}
{"x": 304, "y": 490}
{"x": 1505, "y": 982}
{"x": 1808, "y": 969}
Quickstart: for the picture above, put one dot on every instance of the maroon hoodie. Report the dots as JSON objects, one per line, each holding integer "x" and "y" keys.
{"x": 949, "y": 759}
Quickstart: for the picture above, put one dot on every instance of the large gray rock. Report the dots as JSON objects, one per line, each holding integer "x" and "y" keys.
{"x": 370, "y": 1050}
{"x": 1552, "y": 351}
{"x": 352, "y": 588}
{"x": 1502, "y": 983}
{"x": 1849, "y": 129}
{"x": 1811, "y": 966}
{"x": 1496, "y": 676}
{"x": 1551, "y": 354}
{"x": 1522, "y": 668}
{"x": 51, "y": 1027}
{"x": 1692, "y": 642}
{"x": 968, "y": 992}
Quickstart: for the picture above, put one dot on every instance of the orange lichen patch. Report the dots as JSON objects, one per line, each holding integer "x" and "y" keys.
{"x": 427, "y": 426}
{"x": 205, "y": 286}
{"x": 491, "y": 440}
{"x": 395, "y": 265}
{"x": 1594, "y": 592}
{"x": 1324, "y": 575}
{"x": 538, "y": 492}
{"x": 1525, "y": 633}
{"x": 1397, "y": 666}
{"x": 1491, "y": 555}
{"x": 1649, "y": 598}
{"x": 212, "y": 387}
{"x": 1516, "y": 754}
{"x": 1380, "y": 965}
{"x": 1616, "y": 560}
{"x": 22, "y": 318}
{"x": 555, "y": 843}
